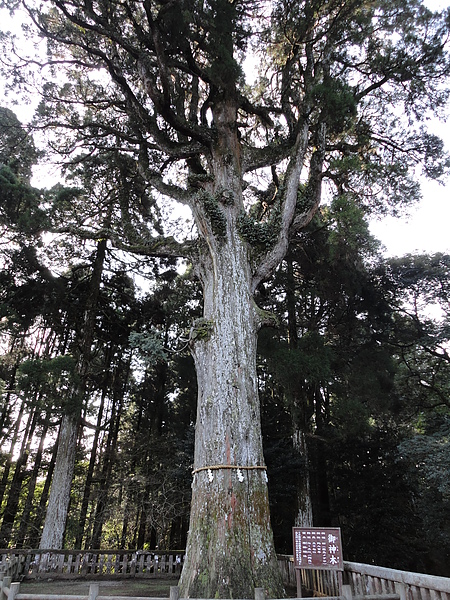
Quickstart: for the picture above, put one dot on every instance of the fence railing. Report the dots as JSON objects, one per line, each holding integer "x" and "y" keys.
{"x": 94, "y": 564}
{"x": 367, "y": 580}
{"x": 360, "y": 580}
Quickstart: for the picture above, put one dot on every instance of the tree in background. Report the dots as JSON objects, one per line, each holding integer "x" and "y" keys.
{"x": 340, "y": 85}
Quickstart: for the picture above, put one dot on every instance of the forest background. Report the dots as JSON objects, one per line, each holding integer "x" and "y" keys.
{"x": 353, "y": 378}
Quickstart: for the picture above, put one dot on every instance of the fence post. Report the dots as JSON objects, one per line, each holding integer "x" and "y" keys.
{"x": 174, "y": 592}
{"x": 260, "y": 594}
{"x": 400, "y": 589}
{"x": 347, "y": 592}
{"x": 4, "y": 591}
{"x": 93, "y": 591}
{"x": 13, "y": 590}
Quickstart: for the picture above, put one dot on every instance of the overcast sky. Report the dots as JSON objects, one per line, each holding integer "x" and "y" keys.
{"x": 427, "y": 229}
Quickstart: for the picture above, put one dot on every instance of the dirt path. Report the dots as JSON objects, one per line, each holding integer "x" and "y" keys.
{"x": 131, "y": 587}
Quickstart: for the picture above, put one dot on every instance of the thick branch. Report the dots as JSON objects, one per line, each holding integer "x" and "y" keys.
{"x": 200, "y": 135}
{"x": 291, "y": 184}
{"x": 162, "y": 106}
{"x": 313, "y": 192}
{"x": 161, "y": 247}
{"x": 258, "y": 158}
{"x": 168, "y": 189}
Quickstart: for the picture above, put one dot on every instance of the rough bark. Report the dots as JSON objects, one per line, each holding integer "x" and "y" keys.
{"x": 40, "y": 510}
{"x": 106, "y": 471}
{"x": 55, "y": 521}
{"x": 304, "y": 513}
{"x": 9, "y": 455}
{"x": 230, "y": 548}
{"x": 89, "y": 477}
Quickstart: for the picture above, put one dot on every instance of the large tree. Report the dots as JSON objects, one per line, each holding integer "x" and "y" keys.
{"x": 343, "y": 85}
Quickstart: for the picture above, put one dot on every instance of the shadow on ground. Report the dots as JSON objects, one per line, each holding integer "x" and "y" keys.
{"x": 159, "y": 588}
{"x": 156, "y": 588}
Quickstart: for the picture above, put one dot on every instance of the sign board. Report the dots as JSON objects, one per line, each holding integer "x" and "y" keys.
{"x": 318, "y": 548}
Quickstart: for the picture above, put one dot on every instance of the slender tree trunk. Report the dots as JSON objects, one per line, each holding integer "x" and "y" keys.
{"x": 25, "y": 517}
{"x": 300, "y": 411}
{"x": 55, "y": 521}
{"x": 105, "y": 476}
{"x": 7, "y": 408}
{"x": 89, "y": 476}
{"x": 322, "y": 510}
{"x": 230, "y": 548}
{"x": 16, "y": 484}
{"x": 9, "y": 456}
{"x": 58, "y": 504}
{"x": 40, "y": 511}
{"x": 304, "y": 513}
{"x": 126, "y": 517}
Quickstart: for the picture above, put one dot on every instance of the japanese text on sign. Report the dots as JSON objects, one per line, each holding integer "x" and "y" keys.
{"x": 318, "y": 548}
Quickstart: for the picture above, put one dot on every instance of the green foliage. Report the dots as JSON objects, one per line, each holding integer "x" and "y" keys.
{"x": 53, "y": 379}
{"x": 225, "y": 29}
{"x": 305, "y": 199}
{"x": 39, "y": 371}
{"x": 428, "y": 456}
{"x": 201, "y": 329}
{"x": 337, "y": 101}
{"x": 20, "y": 204}
{"x": 349, "y": 232}
{"x": 375, "y": 501}
{"x": 214, "y": 214}
{"x": 260, "y": 235}
{"x": 149, "y": 345}
{"x": 17, "y": 150}
{"x": 310, "y": 362}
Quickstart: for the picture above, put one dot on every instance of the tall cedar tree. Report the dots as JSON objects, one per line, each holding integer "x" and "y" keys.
{"x": 342, "y": 88}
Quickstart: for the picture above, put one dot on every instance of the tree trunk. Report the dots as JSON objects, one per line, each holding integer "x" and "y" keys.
{"x": 94, "y": 454}
{"x": 55, "y": 521}
{"x": 9, "y": 455}
{"x": 40, "y": 510}
{"x": 15, "y": 489}
{"x": 304, "y": 512}
{"x": 230, "y": 548}
{"x": 300, "y": 410}
{"x": 25, "y": 517}
{"x": 58, "y": 505}
{"x": 109, "y": 455}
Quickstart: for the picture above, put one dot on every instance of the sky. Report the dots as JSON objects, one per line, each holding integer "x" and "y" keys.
{"x": 426, "y": 227}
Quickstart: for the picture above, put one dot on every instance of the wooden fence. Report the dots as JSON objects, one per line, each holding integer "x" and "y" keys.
{"x": 89, "y": 564}
{"x": 367, "y": 581}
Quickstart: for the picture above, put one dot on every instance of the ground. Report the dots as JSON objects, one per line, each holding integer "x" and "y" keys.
{"x": 125, "y": 587}
{"x": 155, "y": 588}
